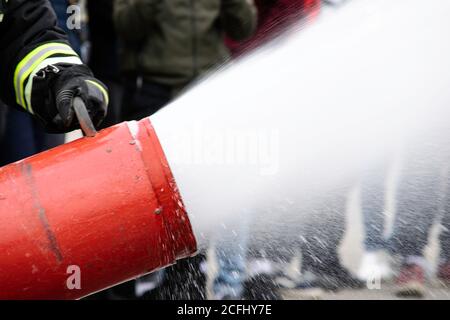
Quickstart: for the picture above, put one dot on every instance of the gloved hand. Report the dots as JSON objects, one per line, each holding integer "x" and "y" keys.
{"x": 54, "y": 88}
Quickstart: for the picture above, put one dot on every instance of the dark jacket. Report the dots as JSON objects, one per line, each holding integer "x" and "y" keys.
{"x": 26, "y": 25}
{"x": 171, "y": 42}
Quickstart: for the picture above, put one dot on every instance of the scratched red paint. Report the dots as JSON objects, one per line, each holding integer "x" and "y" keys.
{"x": 98, "y": 203}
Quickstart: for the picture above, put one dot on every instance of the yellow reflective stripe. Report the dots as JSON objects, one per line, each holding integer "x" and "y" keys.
{"x": 31, "y": 61}
{"x": 27, "y": 69}
{"x": 105, "y": 93}
{"x": 42, "y": 65}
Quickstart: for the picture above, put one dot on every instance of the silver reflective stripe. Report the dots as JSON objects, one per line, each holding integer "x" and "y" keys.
{"x": 42, "y": 65}
{"x": 27, "y": 65}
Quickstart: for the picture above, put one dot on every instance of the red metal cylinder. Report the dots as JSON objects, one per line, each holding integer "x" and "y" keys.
{"x": 104, "y": 209}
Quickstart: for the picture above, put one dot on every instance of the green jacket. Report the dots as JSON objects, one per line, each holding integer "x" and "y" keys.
{"x": 171, "y": 42}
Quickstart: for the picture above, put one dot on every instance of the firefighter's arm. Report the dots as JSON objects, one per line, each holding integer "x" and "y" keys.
{"x": 40, "y": 72}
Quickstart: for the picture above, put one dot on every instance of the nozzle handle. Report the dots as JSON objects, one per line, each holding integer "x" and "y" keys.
{"x": 83, "y": 117}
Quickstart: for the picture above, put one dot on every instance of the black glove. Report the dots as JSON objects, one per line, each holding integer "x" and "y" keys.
{"x": 54, "y": 89}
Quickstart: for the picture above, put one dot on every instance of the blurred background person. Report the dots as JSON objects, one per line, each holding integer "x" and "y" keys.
{"x": 316, "y": 233}
{"x": 166, "y": 45}
{"x": 375, "y": 262}
{"x": 420, "y": 199}
{"x": 321, "y": 235}
{"x": 231, "y": 246}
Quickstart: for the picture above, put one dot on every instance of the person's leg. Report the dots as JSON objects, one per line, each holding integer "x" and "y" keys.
{"x": 322, "y": 235}
{"x": 142, "y": 99}
{"x": 186, "y": 280}
{"x": 231, "y": 273}
{"x": 372, "y": 207}
{"x": 374, "y": 263}
{"x": 45, "y": 141}
{"x": 323, "y": 232}
{"x": 231, "y": 250}
{"x": 3, "y": 111}
{"x": 444, "y": 239}
{"x": 418, "y": 202}
{"x": 266, "y": 257}
{"x": 18, "y": 142}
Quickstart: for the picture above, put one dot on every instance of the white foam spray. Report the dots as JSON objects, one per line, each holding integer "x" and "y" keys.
{"x": 299, "y": 119}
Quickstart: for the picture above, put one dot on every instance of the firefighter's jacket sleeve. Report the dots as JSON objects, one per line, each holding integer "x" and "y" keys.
{"x": 29, "y": 41}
